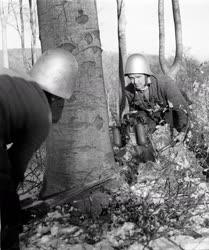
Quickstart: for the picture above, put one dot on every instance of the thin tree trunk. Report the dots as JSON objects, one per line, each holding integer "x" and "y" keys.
{"x": 3, "y": 16}
{"x": 173, "y": 69}
{"x": 122, "y": 55}
{"x": 161, "y": 20}
{"x": 22, "y": 34}
{"x": 178, "y": 36}
{"x": 33, "y": 24}
{"x": 79, "y": 149}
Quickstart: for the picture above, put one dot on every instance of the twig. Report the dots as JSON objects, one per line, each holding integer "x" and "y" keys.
{"x": 173, "y": 242}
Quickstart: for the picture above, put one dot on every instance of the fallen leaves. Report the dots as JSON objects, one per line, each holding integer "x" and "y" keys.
{"x": 163, "y": 206}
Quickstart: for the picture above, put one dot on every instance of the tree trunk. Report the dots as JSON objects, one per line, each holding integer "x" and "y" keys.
{"x": 174, "y": 68}
{"x": 79, "y": 149}
{"x": 3, "y": 16}
{"x": 33, "y": 24}
{"x": 22, "y": 35}
{"x": 122, "y": 54}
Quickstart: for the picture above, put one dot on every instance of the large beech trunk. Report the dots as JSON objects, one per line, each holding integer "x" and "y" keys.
{"x": 78, "y": 149}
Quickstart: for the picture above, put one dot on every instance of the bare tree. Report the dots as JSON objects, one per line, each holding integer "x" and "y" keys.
{"x": 22, "y": 34}
{"x": 23, "y": 14}
{"x": 173, "y": 69}
{"x": 79, "y": 149}
{"x": 4, "y": 11}
{"x": 33, "y": 25}
{"x": 19, "y": 14}
{"x": 122, "y": 54}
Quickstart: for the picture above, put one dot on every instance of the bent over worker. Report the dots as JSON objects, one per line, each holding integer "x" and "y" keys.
{"x": 156, "y": 102}
{"x": 25, "y": 120}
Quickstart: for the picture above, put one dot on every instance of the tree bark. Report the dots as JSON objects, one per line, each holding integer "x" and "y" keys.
{"x": 79, "y": 149}
{"x": 174, "y": 68}
{"x": 122, "y": 55}
{"x": 161, "y": 21}
{"x": 22, "y": 34}
{"x": 33, "y": 25}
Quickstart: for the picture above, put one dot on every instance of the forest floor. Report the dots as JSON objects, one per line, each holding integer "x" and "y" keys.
{"x": 161, "y": 206}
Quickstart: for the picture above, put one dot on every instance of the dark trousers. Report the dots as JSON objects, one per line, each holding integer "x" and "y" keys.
{"x": 9, "y": 204}
{"x": 13, "y": 163}
{"x": 11, "y": 224}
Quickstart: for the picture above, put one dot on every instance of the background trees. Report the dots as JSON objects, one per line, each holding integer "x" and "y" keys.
{"x": 19, "y": 14}
{"x": 4, "y": 12}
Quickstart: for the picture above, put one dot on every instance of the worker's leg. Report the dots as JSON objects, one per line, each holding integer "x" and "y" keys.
{"x": 9, "y": 205}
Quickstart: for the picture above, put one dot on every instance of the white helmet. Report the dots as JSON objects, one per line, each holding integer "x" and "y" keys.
{"x": 56, "y": 71}
{"x": 137, "y": 64}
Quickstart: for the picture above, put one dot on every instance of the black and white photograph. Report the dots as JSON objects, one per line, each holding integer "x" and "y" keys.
{"x": 104, "y": 135}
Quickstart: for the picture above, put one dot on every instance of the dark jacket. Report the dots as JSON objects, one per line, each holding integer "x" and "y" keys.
{"x": 165, "y": 104}
{"x": 24, "y": 121}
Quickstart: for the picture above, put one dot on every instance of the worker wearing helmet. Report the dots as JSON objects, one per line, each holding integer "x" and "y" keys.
{"x": 156, "y": 102}
{"x": 26, "y": 114}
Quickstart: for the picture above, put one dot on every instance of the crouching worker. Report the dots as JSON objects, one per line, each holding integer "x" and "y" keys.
{"x": 26, "y": 114}
{"x": 151, "y": 103}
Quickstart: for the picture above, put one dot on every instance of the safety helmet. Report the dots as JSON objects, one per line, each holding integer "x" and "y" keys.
{"x": 137, "y": 64}
{"x": 55, "y": 72}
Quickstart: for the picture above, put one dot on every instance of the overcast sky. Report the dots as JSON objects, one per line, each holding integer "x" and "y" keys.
{"x": 142, "y": 27}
